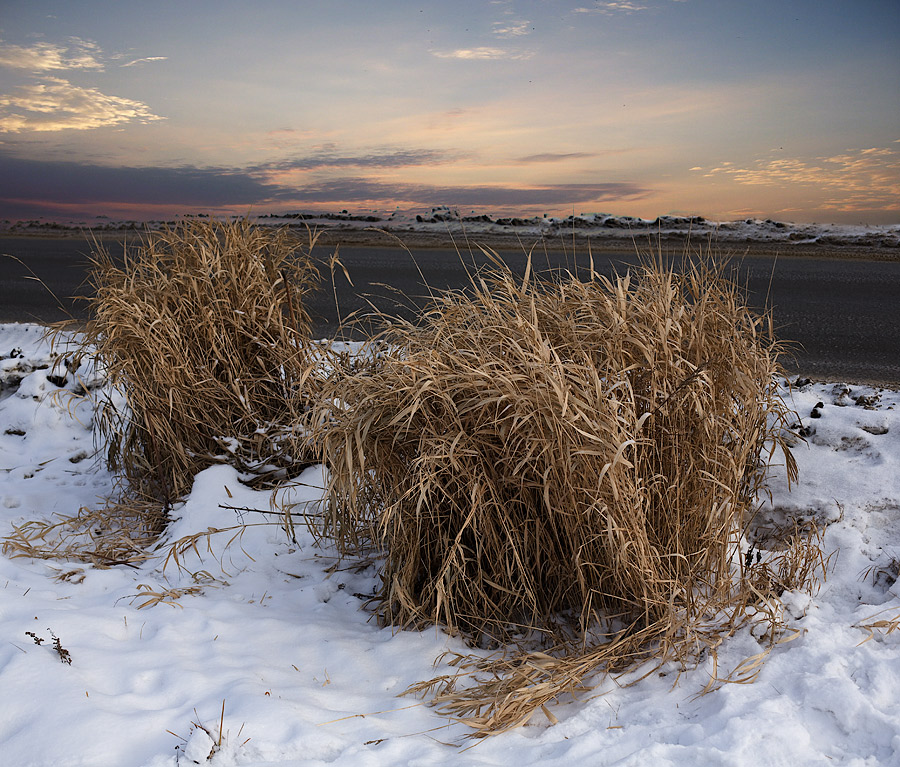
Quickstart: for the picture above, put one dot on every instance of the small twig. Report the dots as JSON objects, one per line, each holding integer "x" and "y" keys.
{"x": 269, "y": 511}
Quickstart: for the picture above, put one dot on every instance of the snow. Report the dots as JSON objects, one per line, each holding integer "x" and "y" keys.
{"x": 269, "y": 628}
{"x": 595, "y": 226}
{"x": 603, "y": 226}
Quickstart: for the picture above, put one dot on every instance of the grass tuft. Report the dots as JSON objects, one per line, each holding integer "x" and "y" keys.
{"x": 564, "y": 466}
{"x": 203, "y": 330}
{"x": 202, "y": 337}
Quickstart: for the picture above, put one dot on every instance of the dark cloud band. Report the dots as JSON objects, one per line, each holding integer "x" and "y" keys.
{"x": 45, "y": 185}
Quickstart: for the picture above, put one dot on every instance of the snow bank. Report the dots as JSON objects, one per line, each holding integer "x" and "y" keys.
{"x": 600, "y": 226}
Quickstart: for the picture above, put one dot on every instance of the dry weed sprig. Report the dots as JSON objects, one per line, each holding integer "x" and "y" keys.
{"x": 881, "y": 626}
{"x": 535, "y": 455}
{"x": 214, "y": 740}
{"x": 152, "y": 597}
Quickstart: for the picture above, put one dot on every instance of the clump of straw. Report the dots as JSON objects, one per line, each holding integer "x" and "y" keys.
{"x": 203, "y": 330}
{"x": 564, "y": 459}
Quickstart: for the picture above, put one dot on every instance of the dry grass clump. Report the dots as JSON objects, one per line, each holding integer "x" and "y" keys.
{"x": 203, "y": 330}
{"x": 116, "y": 534}
{"x": 563, "y": 464}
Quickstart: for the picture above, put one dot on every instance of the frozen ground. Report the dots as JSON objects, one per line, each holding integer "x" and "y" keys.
{"x": 263, "y": 628}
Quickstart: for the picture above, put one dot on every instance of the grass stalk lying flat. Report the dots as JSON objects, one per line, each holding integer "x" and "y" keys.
{"x": 567, "y": 459}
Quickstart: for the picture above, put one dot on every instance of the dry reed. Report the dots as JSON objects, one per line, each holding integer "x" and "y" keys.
{"x": 203, "y": 338}
{"x": 204, "y": 331}
{"x": 560, "y": 464}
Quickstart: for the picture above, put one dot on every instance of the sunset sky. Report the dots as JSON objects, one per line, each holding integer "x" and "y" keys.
{"x": 788, "y": 109}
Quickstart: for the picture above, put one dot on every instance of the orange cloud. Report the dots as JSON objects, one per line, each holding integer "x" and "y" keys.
{"x": 144, "y": 60}
{"x": 46, "y": 57}
{"x": 483, "y": 53}
{"x": 55, "y": 104}
{"x": 512, "y": 29}
{"x": 858, "y": 179}
{"x": 609, "y": 8}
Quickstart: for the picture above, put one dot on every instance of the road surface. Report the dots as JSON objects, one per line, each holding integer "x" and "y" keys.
{"x": 842, "y": 315}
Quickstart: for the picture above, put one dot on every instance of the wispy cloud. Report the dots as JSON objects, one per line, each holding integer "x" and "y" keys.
{"x": 512, "y": 28}
{"x": 553, "y": 157}
{"x": 144, "y": 61}
{"x": 49, "y": 57}
{"x": 359, "y": 190}
{"x": 610, "y": 8}
{"x": 858, "y": 179}
{"x": 55, "y": 105}
{"x": 379, "y": 159}
{"x": 483, "y": 53}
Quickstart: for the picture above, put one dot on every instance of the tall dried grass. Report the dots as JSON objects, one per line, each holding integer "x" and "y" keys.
{"x": 203, "y": 329}
{"x": 564, "y": 460}
{"x": 204, "y": 339}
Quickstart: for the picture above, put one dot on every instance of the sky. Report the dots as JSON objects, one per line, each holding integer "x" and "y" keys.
{"x": 785, "y": 109}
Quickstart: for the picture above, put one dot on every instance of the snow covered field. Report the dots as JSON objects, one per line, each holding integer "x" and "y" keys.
{"x": 266, "y": 657}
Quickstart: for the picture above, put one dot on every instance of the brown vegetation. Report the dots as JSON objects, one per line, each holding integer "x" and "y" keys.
{"x": 568, "y": 460}
{"x": 204, "y": 331}
{"x": 204, "y": 340}
{"x": 558, "y": 469}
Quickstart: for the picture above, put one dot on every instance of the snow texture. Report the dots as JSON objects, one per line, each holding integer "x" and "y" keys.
{"x": 307, "y": 678}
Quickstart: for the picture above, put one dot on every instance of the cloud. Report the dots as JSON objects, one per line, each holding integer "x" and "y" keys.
{"x": 66, "y": 186}
{"x": 55, "y": 104}
{"x": 610, "y": 8}
{"x": 144, "y": 61}
{"x": 483, "y": 53}
{"x": 48, "y": 57}
{"x": 351, "y": 190}
{"x": 383, "y": 159}
{"x": 512, "y": 29}
{"x": 70, "y": 183}
{"x": 554, "y": 157}
{"x": 858, "y": 179}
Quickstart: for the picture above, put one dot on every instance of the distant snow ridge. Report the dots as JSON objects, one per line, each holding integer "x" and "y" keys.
{"x": 601, "y": 225}
{"x": 604, "y": 225}
{"x": 443, "y": 219}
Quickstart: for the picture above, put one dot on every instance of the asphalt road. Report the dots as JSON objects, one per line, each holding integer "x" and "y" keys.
{"x": 842, "y": 315}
